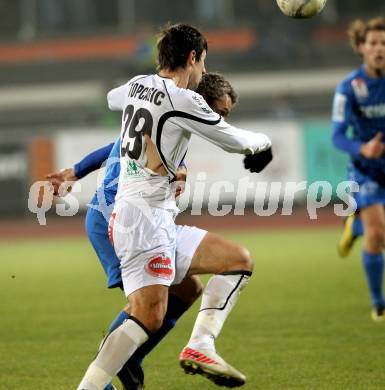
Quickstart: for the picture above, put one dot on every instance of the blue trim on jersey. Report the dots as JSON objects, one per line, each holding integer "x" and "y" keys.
{"x": 105, "y": 194}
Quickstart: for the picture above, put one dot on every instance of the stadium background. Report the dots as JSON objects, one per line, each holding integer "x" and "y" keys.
{"x": 58, "y": 58}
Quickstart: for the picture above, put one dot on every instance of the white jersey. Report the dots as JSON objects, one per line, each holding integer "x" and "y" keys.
{"x": 155, "y": 106}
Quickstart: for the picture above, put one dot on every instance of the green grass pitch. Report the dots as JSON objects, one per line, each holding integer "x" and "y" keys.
{"x": 302, "y": 323}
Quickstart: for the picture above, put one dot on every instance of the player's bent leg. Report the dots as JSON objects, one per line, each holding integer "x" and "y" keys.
{"x": 216, "y": 255}
{"x": 148, "y": 306}
{"x": 373, "y": 218}
{"x": 348, "y": 237}
{"x": 180, "y": 298}
{"x": 233, "y": 266}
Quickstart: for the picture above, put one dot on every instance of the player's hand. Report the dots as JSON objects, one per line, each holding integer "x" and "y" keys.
{"x": 257, "y": 162}
{"x": 181, "y": 177}
{"x": 374, "y": 148}
{"x": 62, "y": 181}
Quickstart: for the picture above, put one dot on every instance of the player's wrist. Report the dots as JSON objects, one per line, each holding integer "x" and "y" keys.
{"x": 70, "y": 174}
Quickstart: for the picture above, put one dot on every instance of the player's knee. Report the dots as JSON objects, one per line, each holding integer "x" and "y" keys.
{"x": 150, "y": 314}
{"x": 376, "y": 236}
{"x": 243, "y": 262}
{"x": 155, "y": 317}
{"x": 154, "y": 324}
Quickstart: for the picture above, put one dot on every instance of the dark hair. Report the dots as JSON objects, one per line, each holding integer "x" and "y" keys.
{"x": 359, "y": 29}
{"x": 214, "y": 86}
{"x": 176, "y": 43}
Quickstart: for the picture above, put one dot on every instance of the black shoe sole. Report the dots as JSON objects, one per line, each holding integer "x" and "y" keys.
{"x": 191, "y": 368}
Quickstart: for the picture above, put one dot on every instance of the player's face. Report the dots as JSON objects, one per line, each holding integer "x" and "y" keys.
{"x": 223, "y": 106}
{"x": 198, "y": 68}
{"x": 373, "y": 51}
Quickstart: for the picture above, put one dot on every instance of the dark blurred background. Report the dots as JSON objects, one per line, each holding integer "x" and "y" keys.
{"x": 58, "y": 58}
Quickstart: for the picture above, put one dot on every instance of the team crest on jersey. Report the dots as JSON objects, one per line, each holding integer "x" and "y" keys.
{"x": 160, "y": 266}
{"x": 360, "y": 88}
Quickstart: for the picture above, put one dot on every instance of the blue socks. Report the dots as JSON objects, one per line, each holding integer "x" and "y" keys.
{"x": 358, "y": 229}
{"x": 374, "y": 269}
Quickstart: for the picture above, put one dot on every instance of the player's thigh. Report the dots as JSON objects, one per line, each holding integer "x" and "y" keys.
{"x": 216, "y": 254}
{"x": 145, "y": 242}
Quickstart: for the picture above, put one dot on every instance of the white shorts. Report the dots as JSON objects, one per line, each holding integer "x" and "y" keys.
{"x": 151, "y": 248}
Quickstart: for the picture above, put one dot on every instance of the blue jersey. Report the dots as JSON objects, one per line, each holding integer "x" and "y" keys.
{"x": 105, "y": 194}
{"x": 359, "y": 103}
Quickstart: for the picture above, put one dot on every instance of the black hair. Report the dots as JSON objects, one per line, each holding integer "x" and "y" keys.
{"x": 176, "y": 43}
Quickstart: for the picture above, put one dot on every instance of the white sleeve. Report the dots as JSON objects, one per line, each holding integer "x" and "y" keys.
{"x": 115, "y": 98}
{"x": 199, "y": 119}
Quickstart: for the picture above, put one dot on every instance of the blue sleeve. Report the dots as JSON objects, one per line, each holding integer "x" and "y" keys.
{"x": 341, "y": 117}
{"x": 342, "y": 142}
{"x": 92, "y": 161}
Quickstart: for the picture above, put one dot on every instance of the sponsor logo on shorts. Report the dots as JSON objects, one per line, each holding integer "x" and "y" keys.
{"x": 160, "y": 267}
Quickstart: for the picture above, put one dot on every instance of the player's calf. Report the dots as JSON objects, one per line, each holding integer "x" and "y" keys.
{"x": 189, "y": 290}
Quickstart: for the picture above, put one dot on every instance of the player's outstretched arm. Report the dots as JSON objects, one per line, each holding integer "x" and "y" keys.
{"x": 93, "y": 161}
{"x": 202, "y": 121}
{"x": 230, "y": 138}
{"x": 63, "y": 180}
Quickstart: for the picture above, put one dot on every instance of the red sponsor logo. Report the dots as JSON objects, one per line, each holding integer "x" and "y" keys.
{"x": 360, "y": 88}
{"x": 160, "y": 266}
{"x": 111, "y": 228}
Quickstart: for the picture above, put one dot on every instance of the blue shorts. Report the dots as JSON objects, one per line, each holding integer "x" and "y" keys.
{"x": 370, "y": 193}
{"x": 97, "y": 231}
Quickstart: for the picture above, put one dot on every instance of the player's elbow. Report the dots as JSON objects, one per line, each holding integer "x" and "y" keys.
{"x": 111, "y": 102}
{"x": 339, "y": 141}
{"x": 335, "y": 139}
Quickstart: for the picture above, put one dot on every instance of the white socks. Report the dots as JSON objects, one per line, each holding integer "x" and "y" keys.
{"x": 117, "y": 348}
{"x": 219, "y": 297}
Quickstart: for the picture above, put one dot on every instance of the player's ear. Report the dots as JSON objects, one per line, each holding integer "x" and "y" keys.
{"x": 192, "y": 57}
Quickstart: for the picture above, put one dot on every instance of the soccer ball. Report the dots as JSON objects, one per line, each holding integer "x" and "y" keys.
{"x": 301, "y": 8}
